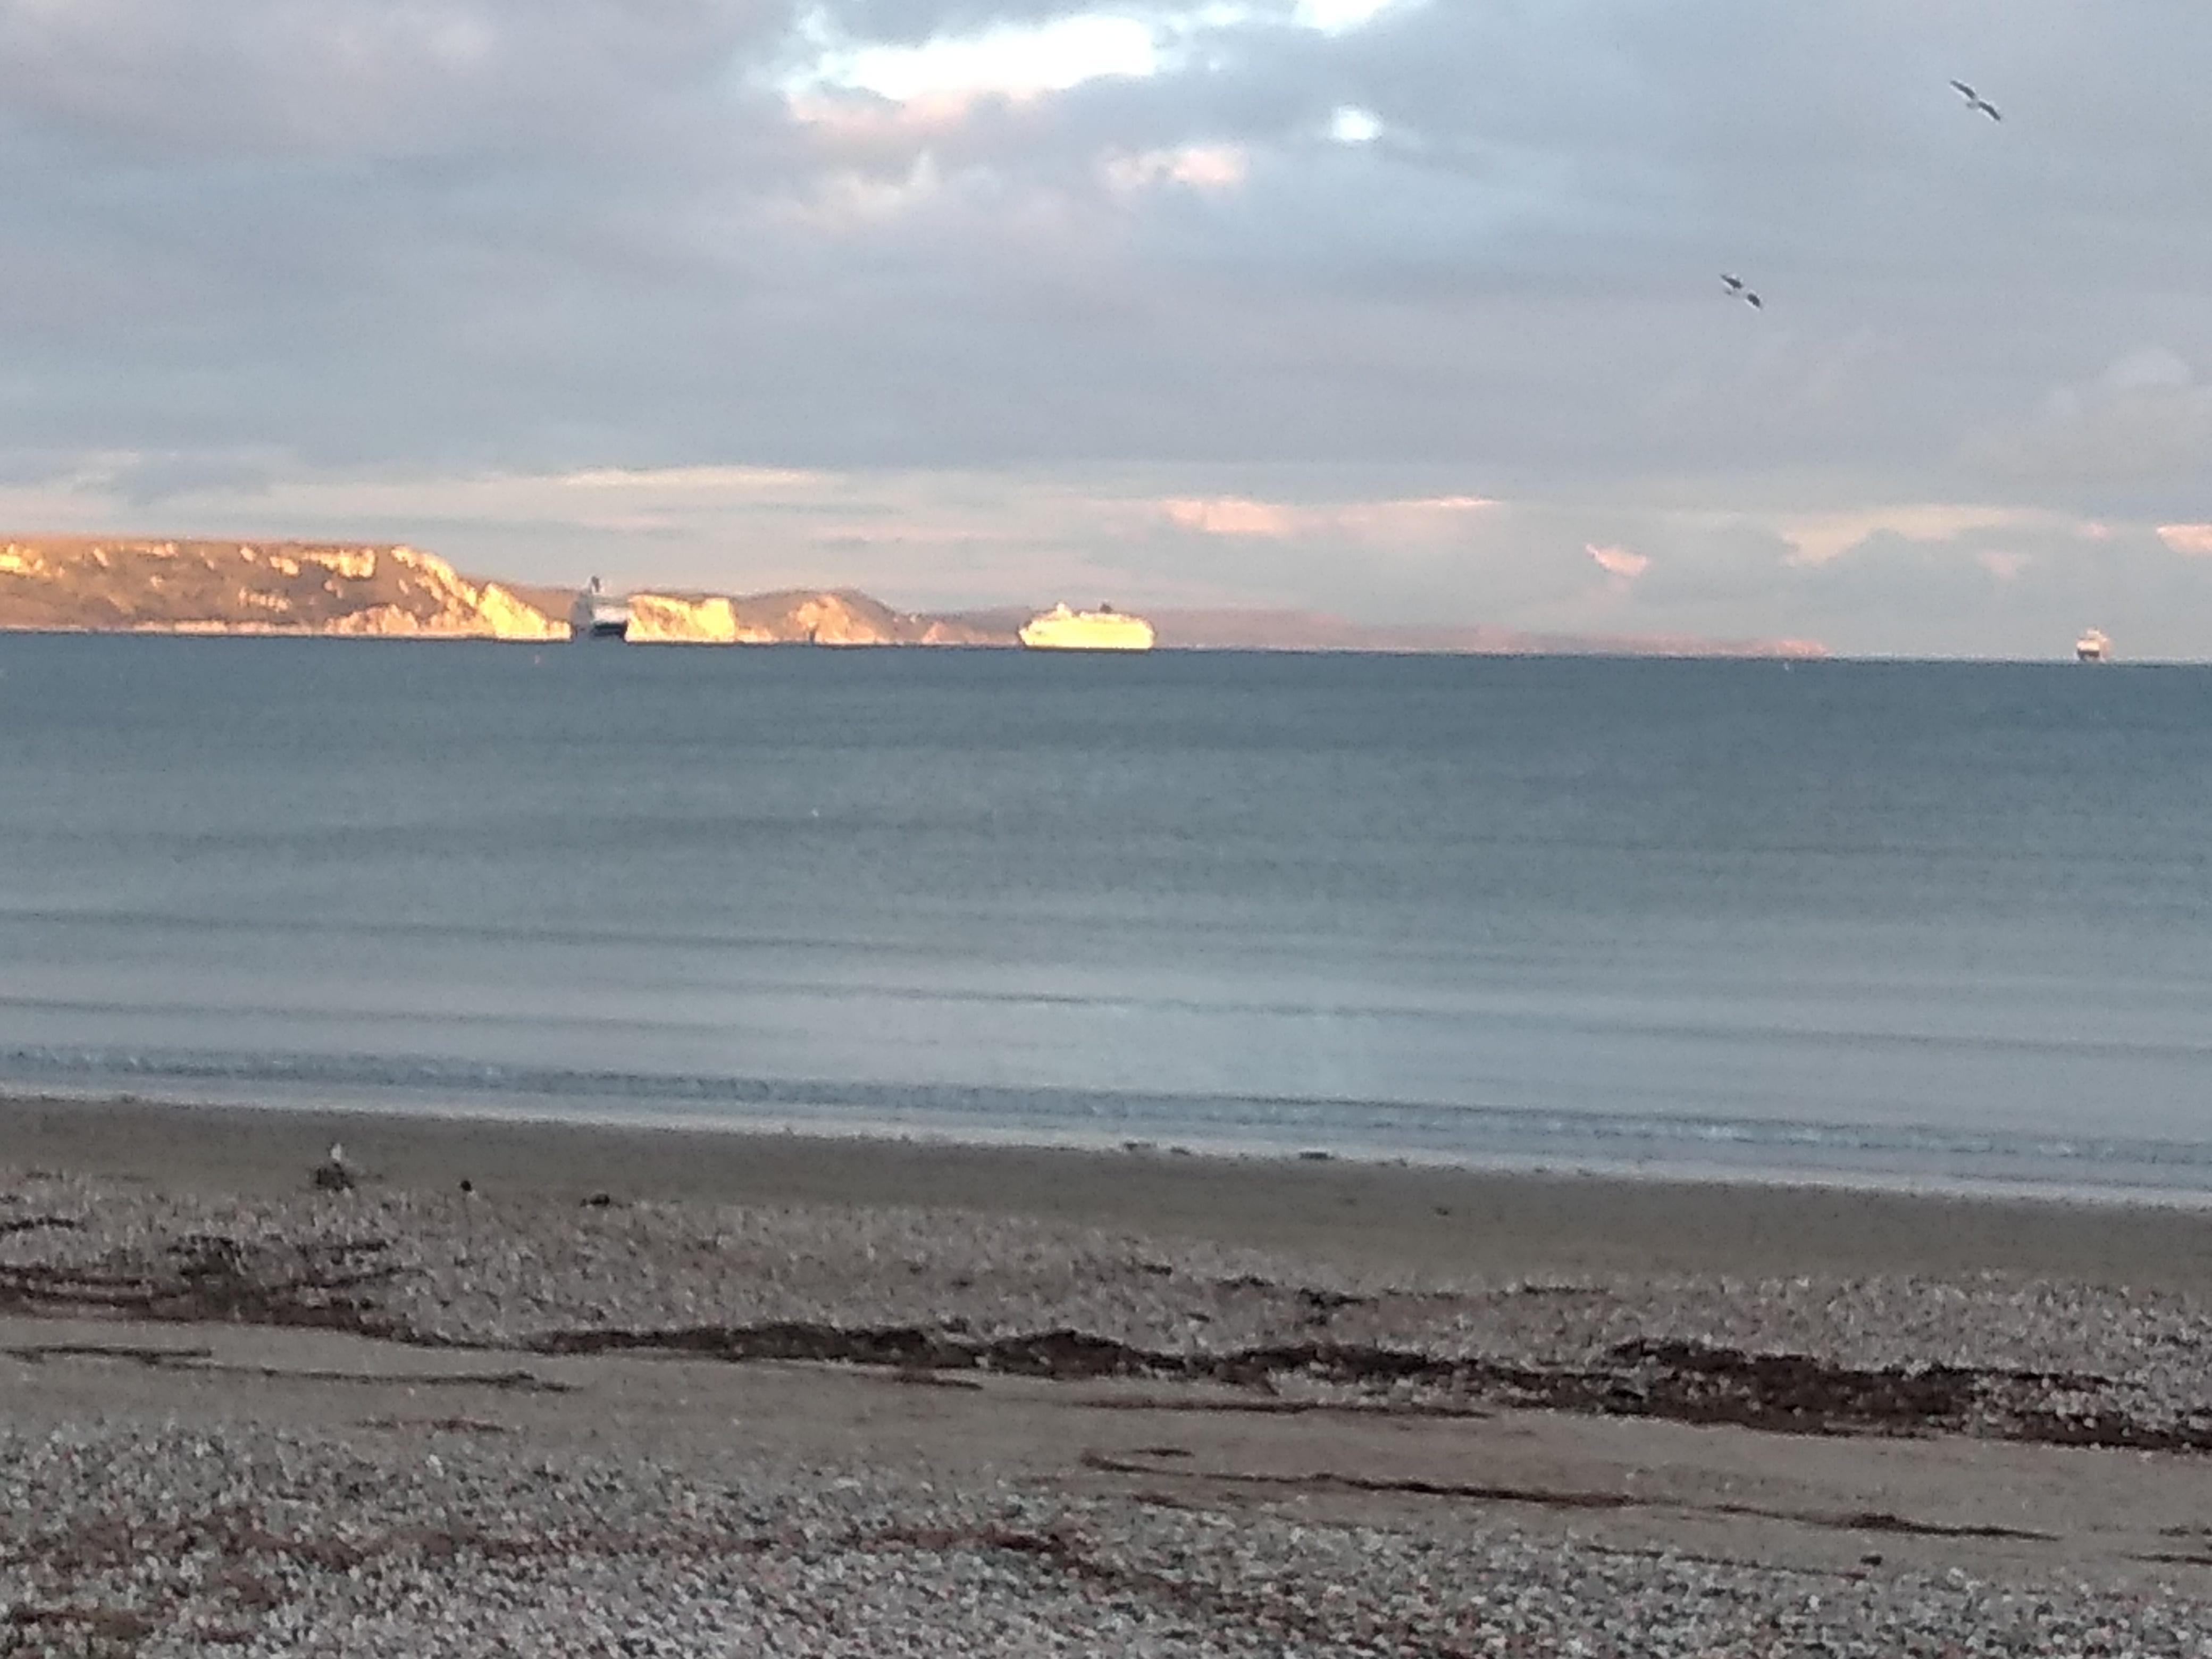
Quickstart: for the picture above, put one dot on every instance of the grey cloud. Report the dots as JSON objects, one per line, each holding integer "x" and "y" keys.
{"x": 2124, "y": 440}
{"x": 1480, "y": 571}
{"x": 911, "y": 22}
{"x": 152, "y": 481}
{"x": 171, "y": 83}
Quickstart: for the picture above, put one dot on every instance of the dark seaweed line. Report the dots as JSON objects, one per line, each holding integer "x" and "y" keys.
{"x": 331, "y": 1286}
{"x": 1682, "y": 1382}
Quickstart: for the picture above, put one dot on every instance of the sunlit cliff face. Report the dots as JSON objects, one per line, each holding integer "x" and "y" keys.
{"x": 146, "y": 585}
{"x": 669, "y": 619}
{"x": 789, "y": 618}
{"x": 228, "y": 587}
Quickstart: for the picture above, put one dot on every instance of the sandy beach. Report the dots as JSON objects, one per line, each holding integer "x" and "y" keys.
{"x": 654, "y": 1392}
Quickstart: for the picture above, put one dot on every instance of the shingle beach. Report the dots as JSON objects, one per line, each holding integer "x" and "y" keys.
{"x": 399, "y": 1420}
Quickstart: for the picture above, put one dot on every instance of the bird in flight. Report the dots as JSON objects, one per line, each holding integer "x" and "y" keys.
{"x": 1735, "y": 287}
{"x": 1975, "y": 101}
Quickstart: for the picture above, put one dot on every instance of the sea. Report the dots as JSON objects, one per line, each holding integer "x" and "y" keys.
{"x": 1915, "y": 924}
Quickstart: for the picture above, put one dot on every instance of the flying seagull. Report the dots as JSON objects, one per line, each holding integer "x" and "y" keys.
{"x": 1735, "y": 287}
{"x": 1975, "y": 101}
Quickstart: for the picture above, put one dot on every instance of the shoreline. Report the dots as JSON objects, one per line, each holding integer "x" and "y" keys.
{"x": 1906, "y": 1158}
{"x": 711, "y": 1388}
{"x": 824, "y": 1115}
{"x": 1396, "y": 1216}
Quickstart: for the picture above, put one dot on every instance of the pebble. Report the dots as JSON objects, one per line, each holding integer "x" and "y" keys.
{"x": 252, "y": 1540}
{"x": 515, "y": 1272}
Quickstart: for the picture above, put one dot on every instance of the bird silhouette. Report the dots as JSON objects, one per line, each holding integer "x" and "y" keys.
{"x": 1975, "y": 101}
{"x": 1736, "y": 286}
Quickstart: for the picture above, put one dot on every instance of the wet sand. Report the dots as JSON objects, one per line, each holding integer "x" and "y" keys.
{"x": 1409, "y": 1219}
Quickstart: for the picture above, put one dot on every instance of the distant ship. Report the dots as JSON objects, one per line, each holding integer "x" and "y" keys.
{"x": 1103, "y": 629}
{"x": 2092, "y": 646}
{"x": 599, "y": 615}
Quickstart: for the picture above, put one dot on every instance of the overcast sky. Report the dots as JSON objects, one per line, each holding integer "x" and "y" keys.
{"x": 1409, "y": 312}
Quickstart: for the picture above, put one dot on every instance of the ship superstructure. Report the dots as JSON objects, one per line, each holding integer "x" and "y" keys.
{"x": 1103, "y": 630}
{"x": 599, "y": 615}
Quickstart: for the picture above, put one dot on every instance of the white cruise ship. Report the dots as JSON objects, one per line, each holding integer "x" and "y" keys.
{"x": 599, "y": 615}
{"x": 2092, "y": 646}
{"x": 1103, "y": 629}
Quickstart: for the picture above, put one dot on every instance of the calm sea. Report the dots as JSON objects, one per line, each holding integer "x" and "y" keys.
{"x": 1917, "y": 922}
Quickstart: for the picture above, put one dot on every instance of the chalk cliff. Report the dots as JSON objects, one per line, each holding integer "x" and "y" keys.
{"x": 149, "y": 584}
{"x": 121, "y": 584}
{"x": 815, "y": 618}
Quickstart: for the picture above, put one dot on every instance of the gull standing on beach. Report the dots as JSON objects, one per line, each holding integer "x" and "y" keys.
{"x": 333, "y": 1174}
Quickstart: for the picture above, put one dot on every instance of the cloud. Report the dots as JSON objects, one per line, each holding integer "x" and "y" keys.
{"x": 2193, "y": 540}
{"x": 1818, "y": 538}
{"x": 1349, "y": 125}
{"x": 169, "y": 84}
{"x": 1231, "y": 518}
{"x": 2144, "y": 420}
{"x": 1412, "y": 519}
{"x": 1018, "y": 59}
{"x": 1617, "y": 560}
{"x": 1340, "y": 16}
{"x": 829, "y": 268}
{"x": 1195, "y": 166}
{"x": 740, "y": 480}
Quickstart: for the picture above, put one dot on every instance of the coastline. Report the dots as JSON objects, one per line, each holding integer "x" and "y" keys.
{"x": 1401, "y": 1216}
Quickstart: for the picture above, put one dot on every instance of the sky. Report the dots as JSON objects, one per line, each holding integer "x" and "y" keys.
{"x": 1407, "y": 310}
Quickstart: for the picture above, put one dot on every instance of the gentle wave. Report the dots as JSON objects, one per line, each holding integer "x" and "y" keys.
{"x": 1563, "y": 1020}
{"x": 1282, "y": 1124}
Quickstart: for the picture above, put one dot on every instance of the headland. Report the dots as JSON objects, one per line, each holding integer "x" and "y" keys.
{"x": 168, "y": 585}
